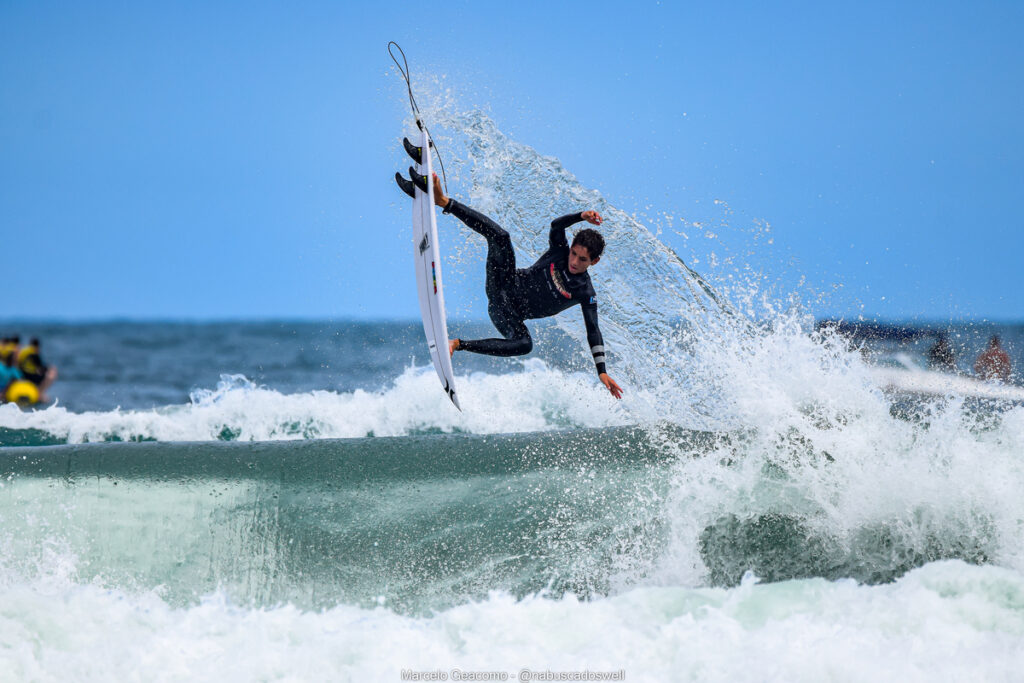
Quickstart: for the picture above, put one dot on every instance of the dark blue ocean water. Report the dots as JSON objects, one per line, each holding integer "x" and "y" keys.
{"x": 141, "y": 365}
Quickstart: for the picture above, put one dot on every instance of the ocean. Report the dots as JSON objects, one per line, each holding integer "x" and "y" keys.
{"x": 298, "y": 501}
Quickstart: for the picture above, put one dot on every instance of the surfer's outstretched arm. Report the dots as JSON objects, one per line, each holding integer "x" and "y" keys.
{"x": 594, "y": 337}
{"x": 596, "y": 342}
{"x": 556, "y": 238}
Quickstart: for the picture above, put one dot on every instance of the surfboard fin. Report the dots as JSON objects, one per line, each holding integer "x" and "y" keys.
{"x": 419, "y": 180}
{"x": 413, "y": 151}
{"x": 406, "y": 185}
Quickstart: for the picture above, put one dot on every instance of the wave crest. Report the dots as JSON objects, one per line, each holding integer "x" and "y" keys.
{"x": 535, "y": 399}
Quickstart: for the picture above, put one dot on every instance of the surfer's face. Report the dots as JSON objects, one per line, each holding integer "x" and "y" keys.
{"x": 579, "y": 259}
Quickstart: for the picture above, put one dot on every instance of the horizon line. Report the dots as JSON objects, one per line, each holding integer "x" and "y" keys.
{"x": 211, "y": 320}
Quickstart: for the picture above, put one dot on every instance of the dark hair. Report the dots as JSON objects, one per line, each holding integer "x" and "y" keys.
{"x": 592, "y": 240}
{"x": 34, "y": 341}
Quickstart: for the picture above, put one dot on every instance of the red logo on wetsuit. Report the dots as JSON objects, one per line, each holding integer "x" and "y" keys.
{"x": 556, "y": 277}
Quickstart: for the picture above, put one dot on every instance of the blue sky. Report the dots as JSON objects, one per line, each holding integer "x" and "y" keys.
{"x": 219, "y": 160}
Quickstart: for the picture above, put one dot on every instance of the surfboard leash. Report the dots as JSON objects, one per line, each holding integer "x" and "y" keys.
{"x": 415, "y": 108}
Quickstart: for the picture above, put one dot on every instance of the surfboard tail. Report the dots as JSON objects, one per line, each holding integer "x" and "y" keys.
{"x": 451, "y": 394}
{"x": 414, "y": 151}
{"x": 406, "y": 185}
{"x": 418, "y": 180}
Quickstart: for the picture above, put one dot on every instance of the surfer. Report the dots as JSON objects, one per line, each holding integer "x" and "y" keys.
{"x": 557, "y": 281}
{"x": 8, "y": 374}
{"x": 31, "y": 365}
{"x": 940, "y": 356}
{"x": 994, "y": 362}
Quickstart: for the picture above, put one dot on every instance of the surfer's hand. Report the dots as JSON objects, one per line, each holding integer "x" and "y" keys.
{"x": 591, "y": 217}
{"x": 453, "y": 344}
{"x": 610, "y": 383}
{"x": 439, "y": 197}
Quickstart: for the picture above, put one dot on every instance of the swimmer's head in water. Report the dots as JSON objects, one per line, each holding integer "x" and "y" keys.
{"x": 586, "y": 250}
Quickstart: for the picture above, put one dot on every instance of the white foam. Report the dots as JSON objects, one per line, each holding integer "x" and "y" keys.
{"x": 814, "y": 440}
{"x": 945, "y": 621}
{"x": 534, "y": 399}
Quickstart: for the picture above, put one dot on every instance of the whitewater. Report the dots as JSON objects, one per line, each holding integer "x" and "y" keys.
{"x": 753, "y": 509}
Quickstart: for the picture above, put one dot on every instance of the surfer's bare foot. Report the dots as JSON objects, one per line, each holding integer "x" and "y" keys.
{"x": 453, "y": 344}
{"x": 439, "y": 197}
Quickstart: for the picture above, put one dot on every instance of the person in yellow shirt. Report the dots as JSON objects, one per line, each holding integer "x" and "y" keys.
{"x": 9, "y": 350}
{"x": 31, "y": 365}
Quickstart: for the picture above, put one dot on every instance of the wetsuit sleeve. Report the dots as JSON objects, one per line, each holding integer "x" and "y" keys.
{"x": 594, "y": 337}
{"x": 556, "y": 237}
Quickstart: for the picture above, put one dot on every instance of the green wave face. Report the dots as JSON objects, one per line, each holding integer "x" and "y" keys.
{"x": 416, "y": 523}
{"x": 426, "y": 522}
{"x": 28, "y": 437}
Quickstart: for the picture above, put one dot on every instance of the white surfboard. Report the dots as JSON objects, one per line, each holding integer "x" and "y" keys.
{"x": 428, "y": 275}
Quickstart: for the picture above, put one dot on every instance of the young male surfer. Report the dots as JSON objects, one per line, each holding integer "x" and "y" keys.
{"x": 557, "y": 281}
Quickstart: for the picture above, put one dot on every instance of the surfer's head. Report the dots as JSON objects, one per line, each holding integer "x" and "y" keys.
{"x": 586, "y": 250}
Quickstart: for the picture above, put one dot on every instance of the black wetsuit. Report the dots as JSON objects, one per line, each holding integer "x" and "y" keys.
{"x": 32, "y": 367}
{"x": 544, "y": 289}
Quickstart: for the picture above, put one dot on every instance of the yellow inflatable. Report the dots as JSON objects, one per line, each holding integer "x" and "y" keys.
{"x": 22, "y": 392}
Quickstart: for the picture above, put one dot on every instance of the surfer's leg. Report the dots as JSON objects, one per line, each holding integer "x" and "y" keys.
{"x": 501, "y": 257}
{"x": 501, "y": 271}
{"x": 475, "y": 220}
{"x": 498, "y": 347}
{"x": 516, "y": 342}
